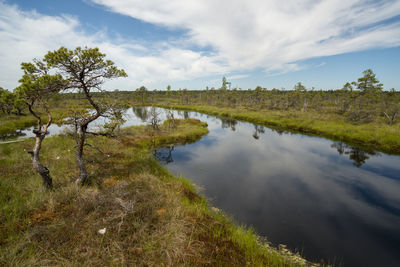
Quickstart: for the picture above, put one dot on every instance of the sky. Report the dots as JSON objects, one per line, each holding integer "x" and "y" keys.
{"x": 194, "y": 43}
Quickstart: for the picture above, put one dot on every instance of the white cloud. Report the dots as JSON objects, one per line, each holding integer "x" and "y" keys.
{"x": 273, "y": 34}
{"x": 237, "y": 76}
{"x": 28, "y": 35}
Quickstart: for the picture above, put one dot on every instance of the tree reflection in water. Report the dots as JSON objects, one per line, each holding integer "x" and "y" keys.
{"x": 279, "y": 132}
{"x": 228, "y": 123}
{"x": 164, "y": 154}
{"x": 356, "y": 154}
{"x": 258, "y": 129}
{"x": 186, "y": 115}
{"x": 141, "y": 113}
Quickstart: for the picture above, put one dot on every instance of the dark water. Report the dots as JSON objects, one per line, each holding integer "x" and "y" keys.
{"x": 332, "y": 201}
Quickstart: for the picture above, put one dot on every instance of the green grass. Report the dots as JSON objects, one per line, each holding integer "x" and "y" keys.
{"x": 151, "y": 217}
{"x": 9, "y": 124}
{"x": 187, "y": 131}
{"x": 374, "y": 135}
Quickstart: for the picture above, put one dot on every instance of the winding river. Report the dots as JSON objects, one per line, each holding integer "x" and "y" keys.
{"x": 330, "y": 201}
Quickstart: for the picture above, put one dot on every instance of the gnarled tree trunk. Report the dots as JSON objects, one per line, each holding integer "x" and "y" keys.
{"x": 80, "y": 142}
{"x": 37, "y": 165}
{"x": 40, "y": 135}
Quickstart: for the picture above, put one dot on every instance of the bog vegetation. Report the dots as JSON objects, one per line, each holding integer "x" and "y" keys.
{"x": 358, "y": 103}
{"x": 102, "y": 198}
{"x": 360, "y": 112}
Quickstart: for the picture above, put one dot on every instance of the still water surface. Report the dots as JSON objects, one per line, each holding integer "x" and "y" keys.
{"x": 334, "y": 202}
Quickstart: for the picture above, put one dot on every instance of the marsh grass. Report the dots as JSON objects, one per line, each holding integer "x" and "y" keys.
{"x": 12, "y": 123}
{"x": 151, "y": 217}
{"x": 9, "y": 124}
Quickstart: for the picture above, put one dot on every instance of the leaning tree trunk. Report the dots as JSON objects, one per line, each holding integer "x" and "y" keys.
{"x": 40, "y": 135}
{"x": 80, "y": 142}
{"x": 37, "y": 165}
{"x": 80, "y": 130}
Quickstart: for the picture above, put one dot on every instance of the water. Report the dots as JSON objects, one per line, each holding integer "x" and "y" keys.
{"x": 332, "y": 201}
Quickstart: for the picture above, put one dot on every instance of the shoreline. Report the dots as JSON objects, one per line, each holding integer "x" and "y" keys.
{"x": 343, "y": 132}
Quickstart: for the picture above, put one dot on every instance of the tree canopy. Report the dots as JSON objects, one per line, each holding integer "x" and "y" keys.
{"x": 369, "y": 83}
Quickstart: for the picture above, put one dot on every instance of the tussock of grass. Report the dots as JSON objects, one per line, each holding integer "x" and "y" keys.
{"x": 151, "y": 217}
{"x": 186, "y": 131}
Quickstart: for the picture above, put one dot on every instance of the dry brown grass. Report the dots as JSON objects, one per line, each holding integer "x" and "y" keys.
{"x": 139, "y": 230}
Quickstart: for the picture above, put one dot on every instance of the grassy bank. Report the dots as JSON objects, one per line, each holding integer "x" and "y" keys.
{"x": 150, "y": 217}
{"x": 9, "y": 124}
{"x": 377, "y": 136}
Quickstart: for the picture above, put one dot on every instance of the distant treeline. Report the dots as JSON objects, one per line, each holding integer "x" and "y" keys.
{"x": 359, "y": 102}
